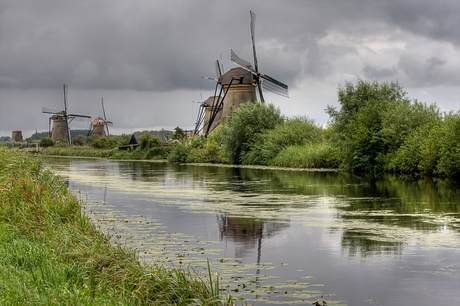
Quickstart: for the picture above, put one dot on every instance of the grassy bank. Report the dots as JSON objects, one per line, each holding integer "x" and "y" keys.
{"x": 51, "y": 254}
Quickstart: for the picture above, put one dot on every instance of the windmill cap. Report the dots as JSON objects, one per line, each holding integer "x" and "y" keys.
{"x": 241, "y": 76}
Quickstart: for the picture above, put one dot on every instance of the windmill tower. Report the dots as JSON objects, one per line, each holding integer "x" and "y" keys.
{"x": 259, "y": 80}
{"x": 210, "y": 121}
{"x": 101, "y": 125}
{"x": 61, "y": 120}
{"x": 210, "y": 112}
{"x": 17, "y": 136}
{"x": 240, "y": 86}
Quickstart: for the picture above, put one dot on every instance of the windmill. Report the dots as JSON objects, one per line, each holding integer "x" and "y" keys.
{"x": 267, "y": 82}
{"x": 61, "y": 120}
{"x": 101, "y": 125}
{"x": 210, "y": 112}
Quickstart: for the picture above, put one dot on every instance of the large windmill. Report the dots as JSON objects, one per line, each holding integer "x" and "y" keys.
{"x": 61, "y": 120}
{"x": 101, "y": 125}
{"x": 259, "y": 79}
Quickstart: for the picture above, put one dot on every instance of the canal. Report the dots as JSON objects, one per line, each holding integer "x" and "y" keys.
{"x": 278, "y": 236}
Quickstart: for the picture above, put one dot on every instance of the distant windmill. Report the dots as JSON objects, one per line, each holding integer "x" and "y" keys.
{"x": 267, "y": 82}
{"x": 210, "y": 112}
{"x": 101, "y": 125}
{"x": 61, "y": 120}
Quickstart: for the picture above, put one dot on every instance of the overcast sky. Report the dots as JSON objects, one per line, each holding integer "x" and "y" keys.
{"x": 146, "y": 58}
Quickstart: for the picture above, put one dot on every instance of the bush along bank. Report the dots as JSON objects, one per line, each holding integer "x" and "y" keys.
{"x": 52, "y": 254}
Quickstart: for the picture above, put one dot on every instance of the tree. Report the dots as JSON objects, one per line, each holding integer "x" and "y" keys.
{"x": 247, "y": 121}
{"x": 352, "y": 98}
{"x": 46, "y": 142}
{"x": 374, "y": 122}
{"x": 149, "y": 141}
{"x": 178, "y": 134}
{"x": 299, "y": 130}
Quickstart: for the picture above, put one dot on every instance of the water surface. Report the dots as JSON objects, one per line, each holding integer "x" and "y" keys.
{"x": 282, "y": 236}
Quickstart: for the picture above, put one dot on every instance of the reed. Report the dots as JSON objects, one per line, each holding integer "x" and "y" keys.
{"x": 52, "y": 254}
{"x": 308, "y": 156}
{"x": 83, "y": 151}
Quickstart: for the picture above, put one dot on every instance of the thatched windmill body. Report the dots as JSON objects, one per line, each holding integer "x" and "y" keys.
{"x": 101, "y": 125}
{"x": 211, "y": 122}
{"x": 239, "y": 83}
{"x": 61, "y": 121}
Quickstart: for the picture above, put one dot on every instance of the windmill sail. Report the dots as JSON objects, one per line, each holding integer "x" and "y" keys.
{"x": 268, "y": 83}
{"x": 218, "y": 70}
{"x": 260, "y": 79}
{"x": 274, "y": 86}
{"x": 241, "y": 62}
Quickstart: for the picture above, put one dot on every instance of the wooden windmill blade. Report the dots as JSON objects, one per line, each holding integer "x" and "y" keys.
{"x": 274, "y": 86}
{"x": 241, "y": 62}
{"x": 47, "y": 110}
{"x": 105, "y": 118}
{"x": 66, "y": 116}
{"x": 262, "y": 80}
{"x": 80, "y": 118}
{"x": 256, "y": 66}
{"x": 218, "y": 70}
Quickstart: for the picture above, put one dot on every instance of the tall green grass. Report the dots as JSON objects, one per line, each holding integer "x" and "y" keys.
{"x": 83, "y": 151}
{"x": 52, "y": 254}
{"x": 308, "y": 156}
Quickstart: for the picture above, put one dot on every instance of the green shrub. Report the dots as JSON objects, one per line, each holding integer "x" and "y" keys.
{"x": 149, "y": 141}
{"x": 155, "y": 153}
{"x": 179, "y": 153}
{"x": 247, "y": 121}
{"x": 103, "y": 142}
{"x": 308, "y": 156}
{"x": 46, "y": 142}
{"x": 12, "y": 144}
{"x": 266, "y": 145}
{"x": 363, "y": 146}
{"x": 79, "y": 140}
{"x": 449, "y": 151}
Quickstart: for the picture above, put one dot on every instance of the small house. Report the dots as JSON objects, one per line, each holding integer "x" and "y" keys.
{"x": 135, "y": 141}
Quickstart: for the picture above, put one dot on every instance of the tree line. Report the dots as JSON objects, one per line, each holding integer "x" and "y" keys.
{"x": 376, "y": 129}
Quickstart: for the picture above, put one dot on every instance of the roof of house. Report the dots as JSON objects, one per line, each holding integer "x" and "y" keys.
{"x": 136, "y": 139}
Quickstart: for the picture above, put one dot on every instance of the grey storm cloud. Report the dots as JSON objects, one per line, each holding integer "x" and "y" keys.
{"x": 152, "y": 54}
{"x": 375, "y": 73}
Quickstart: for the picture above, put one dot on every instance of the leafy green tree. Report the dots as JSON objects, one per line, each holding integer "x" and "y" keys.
{"x": 247, "y": 121}
{"x": 448, "y": 164}
{"x": 79, "y": 140}
{"x": 363, "y": 148}
{"x": 46, "y": 142}
{"x": 178, "y": 134}
{"x": 352, "y": 98}
{"x": 149, "y": 141}
{"x": 374, "y": 122}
